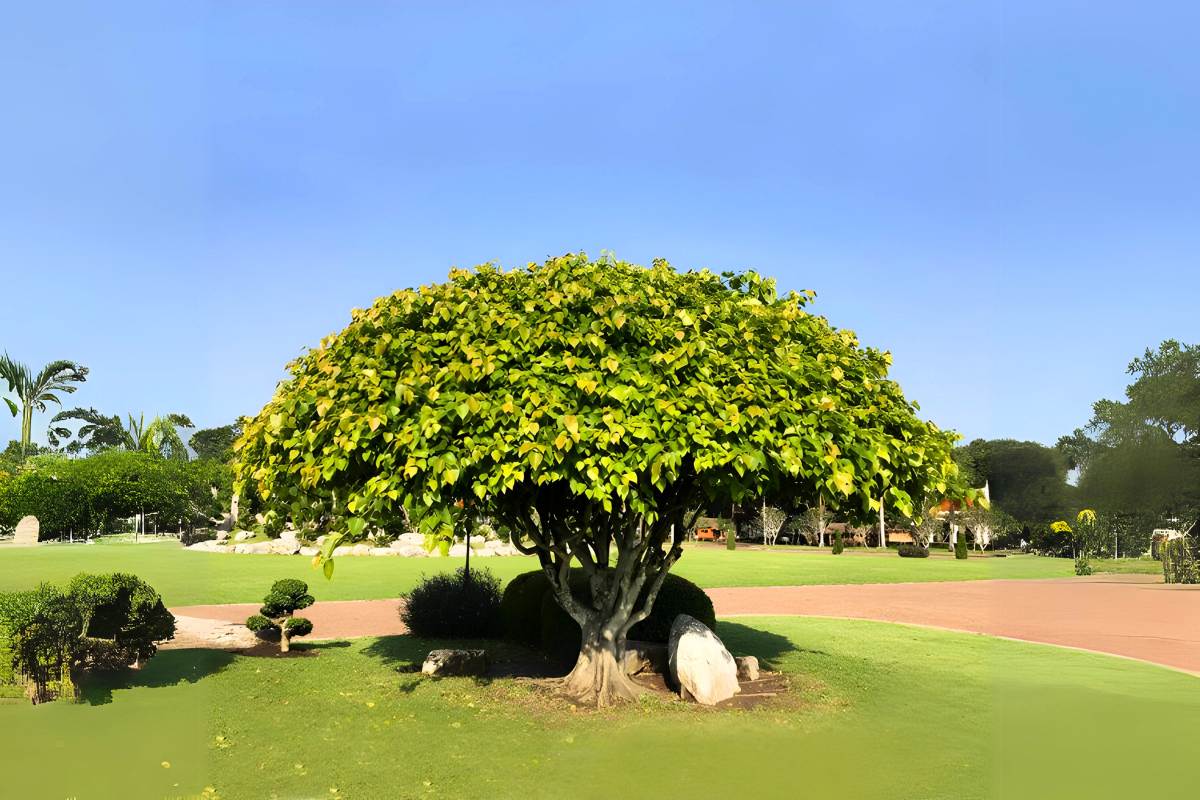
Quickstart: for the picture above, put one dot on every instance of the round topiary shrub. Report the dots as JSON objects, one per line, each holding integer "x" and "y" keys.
{"x": 123, "y": 619}
{"x": 521, "y": 606}
{"x": 457, "y": 606}
{"x": 912, "y": 550}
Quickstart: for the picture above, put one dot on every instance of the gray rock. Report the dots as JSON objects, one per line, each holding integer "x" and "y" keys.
{"x": 28, "y": 530}
{"x": 284, "y": 547}
{"x": 242, "y": 536}
{"x": 384, "y": 551}
{"x": 747, "y": 668}
{"x": 699, "y": 663}
{"x": 645, "y": 657}
{"x": 441, "y": 663}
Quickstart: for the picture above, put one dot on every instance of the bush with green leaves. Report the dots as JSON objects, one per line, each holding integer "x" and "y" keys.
{"x": 1180, "y": 560}
{"x": 588, "y": 406}
{"x": 43, "y": 628}
{"x": 1083, "y": 566}
{"x": 838, "y": 544}
{"x": 123, "y": 619}
{"x": 276, "y": 617}
{"x": 960, "y": 545}
{"x": 461, "y": 605}
{"x": 912, "y": 550}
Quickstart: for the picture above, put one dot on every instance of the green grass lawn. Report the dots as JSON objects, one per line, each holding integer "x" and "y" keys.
{"x": 189, "y": 578}
{"x": 885, "y": 711}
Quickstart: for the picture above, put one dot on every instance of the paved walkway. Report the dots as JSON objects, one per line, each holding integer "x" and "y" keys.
{"x": 1135, "y": 616}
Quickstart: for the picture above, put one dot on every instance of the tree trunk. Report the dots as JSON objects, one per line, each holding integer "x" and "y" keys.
{"x": 285, "y": 641}
{"x": 599, "y": 674}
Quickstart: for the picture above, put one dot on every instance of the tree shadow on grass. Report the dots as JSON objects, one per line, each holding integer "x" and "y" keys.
{"x": 765, "y": 645}
{"x": 167, "y": 668}
{"x": 406, "y": 653}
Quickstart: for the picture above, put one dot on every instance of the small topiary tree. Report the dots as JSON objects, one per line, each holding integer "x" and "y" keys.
{"x": 960, "y": 544}
{"x": 286, "y": 597}
{"x": 838, "y": 545}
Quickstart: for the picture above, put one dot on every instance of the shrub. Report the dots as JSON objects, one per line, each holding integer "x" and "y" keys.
{"x": 520, "y": 607}
{"x": 43, "y": 629}
{"x": 458, "y": 606}
{"x": 960, "y": 545}
{"x": 1083, "y": 566}
{"x": 838, "y": 544}
{"x": 287, "y": 596}
{"x": 558, "y": 635}
{"x": 123, "y": 619}
{"x": 1180, "y": 564}
{"x": 909, "y": 550}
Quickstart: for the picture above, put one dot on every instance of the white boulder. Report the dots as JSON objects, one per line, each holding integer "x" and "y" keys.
{"x": 411, "y": 538}
{"x": 700, "y": 665}
{"x": 458, "y": 550}
{"x": 242, "y": 536}
{"x": 310, "y": 551}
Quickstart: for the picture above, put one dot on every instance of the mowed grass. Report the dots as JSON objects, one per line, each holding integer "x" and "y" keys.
{"x": 189, "y": 578}
{"x": 880, "y": 711}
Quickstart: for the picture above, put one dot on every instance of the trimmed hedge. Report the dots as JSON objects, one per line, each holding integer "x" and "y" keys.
{"x": 454, "y": 606}
{"x": 531, "y": 613}
{"x": 910, "y": 550}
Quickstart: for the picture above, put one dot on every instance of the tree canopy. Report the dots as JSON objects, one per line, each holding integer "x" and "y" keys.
{"x": 585, "y": 405}
{"x": 1027, "y": 480}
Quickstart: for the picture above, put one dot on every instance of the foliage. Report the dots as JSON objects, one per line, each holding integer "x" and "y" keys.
{"x": 287, "y": 596}
{"x": 838, "y": 544}
{"x": 584, "y": 405}
{"x": 91, "y": 494}
{"x": 1083, "y": 566}
{"x": 912, "y": 550}
{"x": 960, "y": 545}
{"x": 123, "y": 619}
{"x": 764, "y": 523}
{"x": 35, "y": 391}
{"x": 459, "y": 606}
{"x": 1028, "y": 481}
{"x": 160, "y": 436}
{"x": 1180, "y": 560}
{"x": 43, "y": 627}
{"x": 1141, "y": 456}
{"x": 216, "y": 444}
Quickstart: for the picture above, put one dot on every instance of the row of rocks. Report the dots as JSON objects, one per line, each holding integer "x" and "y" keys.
{"x": 407, "y": 545}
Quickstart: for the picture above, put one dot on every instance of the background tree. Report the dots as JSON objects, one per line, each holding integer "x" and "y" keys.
{"x": 286, "y": 597}
{"x": 586, "y": 406}
{"x": 97, "y": 432}
{"x": 216, "y": 444}
{"x": 1028, "y": 481}
{"x": 160, "y": 436}
{"x": 1139, "y": 459}
{"x": 35, "y": 391}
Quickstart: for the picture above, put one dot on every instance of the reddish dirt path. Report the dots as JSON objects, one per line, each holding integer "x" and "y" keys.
{"x": 1135, "y": 616}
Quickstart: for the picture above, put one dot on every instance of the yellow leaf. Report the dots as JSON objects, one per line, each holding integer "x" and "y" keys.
{"x": 571, "y": 423}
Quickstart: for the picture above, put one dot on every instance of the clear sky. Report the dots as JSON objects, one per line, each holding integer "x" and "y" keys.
{"x": 1005, "y": 195}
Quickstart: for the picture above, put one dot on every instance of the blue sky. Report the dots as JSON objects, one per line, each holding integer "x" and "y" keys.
{"x": 1005, "y": 195}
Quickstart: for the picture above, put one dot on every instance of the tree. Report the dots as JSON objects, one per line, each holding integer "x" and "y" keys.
{"x": 34, "y": 392}
{"x": 586, "y": 406}
{"x": 1028, "y": 481}
{"x": 160, "y": 436}
{"x": 286, "y": 597}
{"x": 815, "y": 520}
{"x": 767, "y": 523}
{"x": 216, "y": 444}
{"x": 123, "y": 619}
{"x": 1140, "y": 458}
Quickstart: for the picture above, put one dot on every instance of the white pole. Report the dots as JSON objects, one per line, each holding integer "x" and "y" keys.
{"x": 882, "y": 527}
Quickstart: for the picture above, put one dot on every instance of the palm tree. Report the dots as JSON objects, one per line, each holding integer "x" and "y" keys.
{"x": 35, "y": 391}
{"x": 99, "y": 432}
{"x": 160, "y": 435}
